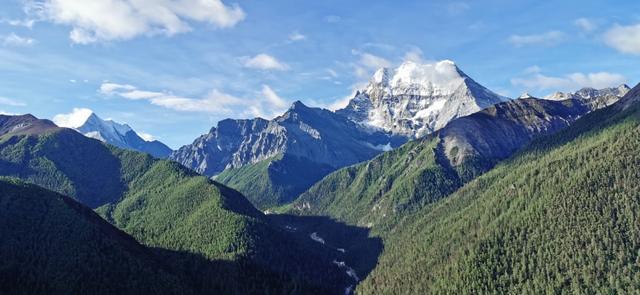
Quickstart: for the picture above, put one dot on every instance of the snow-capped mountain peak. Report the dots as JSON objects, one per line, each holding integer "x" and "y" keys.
{"x": 440, "y": 78}
{"x": 525, "y": 96}
{"x": 91, "y": 125}
{"x": 104, "y": 130}
{"x": 415, "y": 99}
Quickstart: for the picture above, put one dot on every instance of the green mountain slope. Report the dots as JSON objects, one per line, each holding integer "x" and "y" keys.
{"x": 381, "y": 192}
{"x": 274, "y": 181}
{"x": 560, "y": 217}
{"x": 234, "y": 248}
{"x": 53, "y": 245}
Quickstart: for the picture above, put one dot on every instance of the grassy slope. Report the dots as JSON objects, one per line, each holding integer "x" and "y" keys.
{"x": 53, "y": 245}
{"x": 561, "y": 216}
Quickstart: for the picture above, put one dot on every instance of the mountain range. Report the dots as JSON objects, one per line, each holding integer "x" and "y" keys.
{"x": 452, "y": 221}
{"x": 423, "y": 171}
{"x": 120, "y": 135}
{"x": 426, "y": 183}
{"x": 595, "y": 98}
{"x": 272, "y": 162}
{"x": 201, "y": 230}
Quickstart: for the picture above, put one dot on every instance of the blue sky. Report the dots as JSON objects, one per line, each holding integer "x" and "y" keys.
{"x": 173, "y": 68}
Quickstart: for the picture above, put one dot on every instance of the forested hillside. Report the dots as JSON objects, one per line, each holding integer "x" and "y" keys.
{"x": 234, "y": 249}
{"x": 560, "y": 217}
{"x": 53, "y": 245}
{"x": 380, "y": 192}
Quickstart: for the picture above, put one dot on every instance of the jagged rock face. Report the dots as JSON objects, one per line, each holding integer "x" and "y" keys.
{"x": 497, "y": 132}
{"x": 121, "y": 135}
{"x": 229, "y": 145}
{"x": 417, "y": 99}
{"x": 594, "y": 98}
{"x": 631, "y": 98}
{"x": 314, "y": 134}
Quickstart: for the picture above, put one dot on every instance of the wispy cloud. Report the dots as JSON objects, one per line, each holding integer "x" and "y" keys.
{"x": 569, "y": 82}
{"x": 106, "y": 20}
{"x": 585, "y": 24}
{"x": 274, "y": 100}
{"x": 11, "y": 102}
{"x": 550, "y": 38}
{"x": 297, "y": 36}
{"x": 15, "y": 40}
{"x": 264, "y": 62}
{"x": 371, "y": 61}
{"x": 625, "y": 39}
{"x": 414, "y": 55}
{"x": 27, "y": 23}
{"x": 266, "y": 103}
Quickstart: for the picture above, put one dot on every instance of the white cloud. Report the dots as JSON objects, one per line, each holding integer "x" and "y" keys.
{"x": 75, "y": 119}
{"x": 266, "y": 104}
{"x": 550, "y": 38}
{"x": 332, "y": 105}
{"x": 585, "y": 24}
{"x": 332, "y": 73}
{"x": 27, "y": 23}
{"x": 570, "y": 82}
{"x": 146, "y": 136}
{"x": 106, "y": 20}
{"x": 272, "y": 98}
{"x": 625, "y": 39}
{"x": 111, "y": 87}
{"x": 296, "y": 36}
{"x": 414, "y": 55}
{"x": 367, "y": 63}
{"x": 11, "y": 102}
{"x": 373, "y": 62}
{"x": 214, "y": 102}
{"x": 265, "y": 62}
{"x": 340, "y": 103}
{"x": 15, "y": 40}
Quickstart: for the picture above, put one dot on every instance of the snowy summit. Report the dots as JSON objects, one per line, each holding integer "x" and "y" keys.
{"x": 416, "y": 99}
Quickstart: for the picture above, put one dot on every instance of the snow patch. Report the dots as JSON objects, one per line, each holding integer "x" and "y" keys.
{"x": 435, "y": 107}
{"x": 95, "y": 135}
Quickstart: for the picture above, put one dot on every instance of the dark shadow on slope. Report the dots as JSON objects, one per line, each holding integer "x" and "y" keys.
{"x": 345, "y": 243}
{"x": 241, "y": 276}
{"x": 81, "y": 160}
{"x": 67, "y": 162}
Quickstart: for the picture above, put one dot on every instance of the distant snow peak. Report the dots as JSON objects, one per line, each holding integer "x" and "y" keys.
{"x": 416, "y": 99}
{"x": 594, "y": 98}
{"x": 590, "y": 93}
{"x": 90, "y": 125}
{"x": 525, "y": 96}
